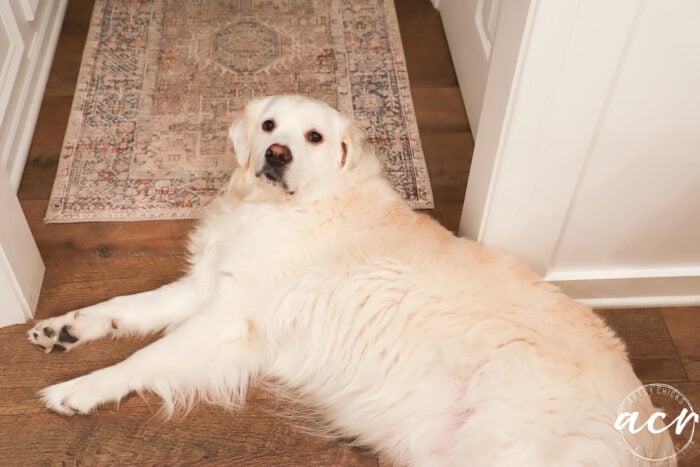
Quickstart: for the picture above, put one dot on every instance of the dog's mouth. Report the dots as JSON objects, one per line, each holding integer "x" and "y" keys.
{"x": 274, "y": 176}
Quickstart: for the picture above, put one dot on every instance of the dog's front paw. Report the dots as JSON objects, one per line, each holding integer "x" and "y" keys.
{"x": 54, "y": 334}
{"x": 84, "y": 394}
{"x": 69, "y": 398}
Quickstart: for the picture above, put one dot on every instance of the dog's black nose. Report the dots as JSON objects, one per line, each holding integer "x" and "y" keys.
{"x": 278, "y": 155}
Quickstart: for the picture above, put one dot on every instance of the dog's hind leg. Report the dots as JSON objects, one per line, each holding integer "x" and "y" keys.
{"x": 139, "y": 314}
{"x": 206, "y": 357}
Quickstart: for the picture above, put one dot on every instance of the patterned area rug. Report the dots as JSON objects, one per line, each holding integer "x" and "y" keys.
{"x": 162, "y": 80}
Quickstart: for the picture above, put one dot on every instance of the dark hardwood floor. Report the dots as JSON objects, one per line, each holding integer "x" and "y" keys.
{"x": 90, "y": 262}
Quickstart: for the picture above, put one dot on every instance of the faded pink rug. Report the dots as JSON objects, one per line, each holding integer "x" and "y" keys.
{"x": 162, "y": 80}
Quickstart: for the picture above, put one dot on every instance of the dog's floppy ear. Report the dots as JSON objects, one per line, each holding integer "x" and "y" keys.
{"x": 353, "y": 147}
{"x": 239, "y": 137}
{"x": 241, "y": 129}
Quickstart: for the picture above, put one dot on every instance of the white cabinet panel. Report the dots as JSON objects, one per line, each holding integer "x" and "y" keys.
{"x": 11, "y": 50}
{"x": 29, "y": 8}
{"x": 587, "y": 161}
{"x": 638, "y": 201}
{"x": 28, "y": 35}
{"x": 471, "y": 27}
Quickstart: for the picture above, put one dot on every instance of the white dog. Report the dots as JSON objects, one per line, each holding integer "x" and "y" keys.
{"x": 312, "y": 272}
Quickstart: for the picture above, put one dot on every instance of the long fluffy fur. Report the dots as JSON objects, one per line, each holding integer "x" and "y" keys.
{"x": 426, "y": 347}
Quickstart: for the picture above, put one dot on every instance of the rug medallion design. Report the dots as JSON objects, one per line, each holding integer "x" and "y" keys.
{"x": 162, "y": 80}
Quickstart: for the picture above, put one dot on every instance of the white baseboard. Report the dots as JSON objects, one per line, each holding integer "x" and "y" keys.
{"x": 631, "y": 288}
{"x": 642, "y": 302}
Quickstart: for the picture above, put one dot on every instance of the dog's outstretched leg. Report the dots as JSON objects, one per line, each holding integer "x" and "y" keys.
{"x": 203, "y": 358}
{"x": 139, "y": 314}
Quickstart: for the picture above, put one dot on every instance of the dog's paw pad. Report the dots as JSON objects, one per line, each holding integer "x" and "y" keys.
{"x": 53, "y": 334}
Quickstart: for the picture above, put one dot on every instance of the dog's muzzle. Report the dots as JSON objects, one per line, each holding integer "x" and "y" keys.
{"x": 277, "y": 157}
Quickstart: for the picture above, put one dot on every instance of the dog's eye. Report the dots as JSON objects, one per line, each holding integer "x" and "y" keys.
{"x": 314, "y": 137}
{"x": 268, "y": 125}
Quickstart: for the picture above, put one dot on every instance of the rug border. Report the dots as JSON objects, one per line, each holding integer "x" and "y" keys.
{"x": 61, "y": 183}
{"x": 419, "y": 163}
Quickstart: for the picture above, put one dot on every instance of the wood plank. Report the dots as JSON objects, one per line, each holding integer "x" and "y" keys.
{"x": 132, "y": 435}
{"x": 654, "y": 370}
{"x": 643, "y": 330}
{"x": 684, "y": 326}
{"x": 440, "y": 109}
{"x": 649, "y": 344}
{"x": 53, "y": 120}
{"x": 692, "y": 367}
{"x": 90, "y": 240}
{"x": 64, "y": 73}
{"x": 39, "y": 172}
{"x": 427, "y": 55}
{"x": 448, "y": 157}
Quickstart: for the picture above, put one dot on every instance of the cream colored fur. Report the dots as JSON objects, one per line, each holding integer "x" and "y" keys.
{"x": 426, "y": 347}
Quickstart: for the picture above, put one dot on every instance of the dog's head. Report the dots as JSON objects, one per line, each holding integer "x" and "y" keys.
{"x": 295, "y": 142}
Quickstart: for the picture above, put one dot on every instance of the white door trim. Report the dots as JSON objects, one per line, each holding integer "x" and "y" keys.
{"x": 21, "y": 267}
{"x": 15, "y": 308}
